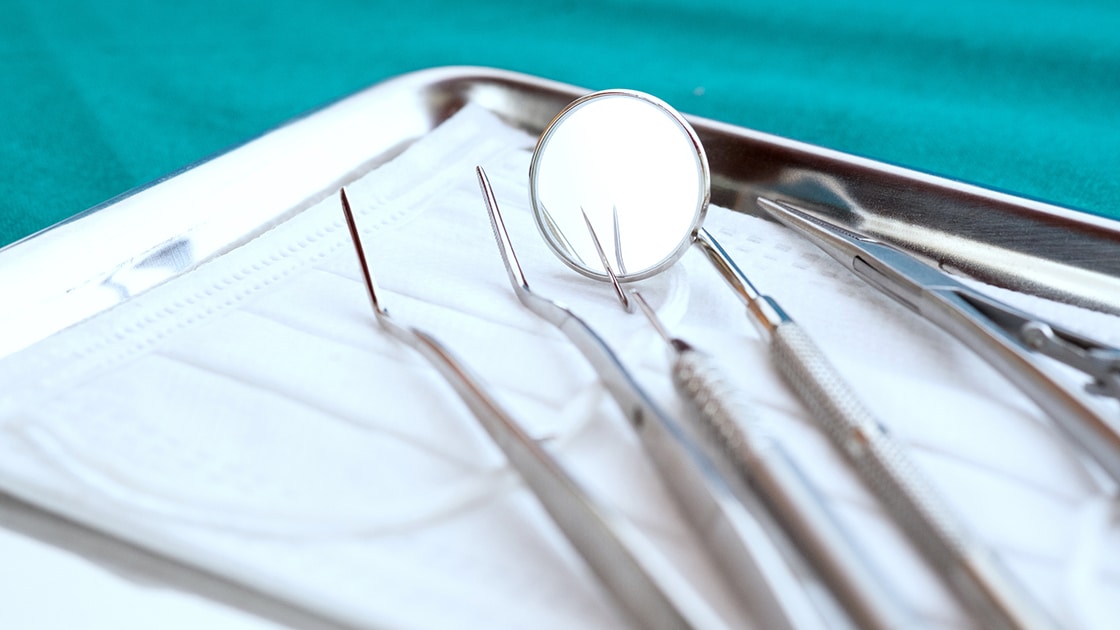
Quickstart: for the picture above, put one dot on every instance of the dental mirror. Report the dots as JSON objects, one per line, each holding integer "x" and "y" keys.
{"x": 625, "y": 164}
{"x": 635, "y": 168}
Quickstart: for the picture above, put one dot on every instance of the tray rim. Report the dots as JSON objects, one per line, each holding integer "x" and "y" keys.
{"x": 36, "y": 273}
{"x": 442, "y": 91}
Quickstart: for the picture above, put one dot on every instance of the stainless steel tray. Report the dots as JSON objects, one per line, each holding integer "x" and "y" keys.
{"x": 110, "y": 253}
{"x": 146, "y": 236}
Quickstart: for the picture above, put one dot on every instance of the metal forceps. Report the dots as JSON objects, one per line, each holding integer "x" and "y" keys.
{"x": 637, "y": 576}
{"x": 1004, "y": 336}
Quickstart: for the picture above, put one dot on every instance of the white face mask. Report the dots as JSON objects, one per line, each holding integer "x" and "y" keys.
{"x": 249, "y": 416}
{"x": 255, "y": 398}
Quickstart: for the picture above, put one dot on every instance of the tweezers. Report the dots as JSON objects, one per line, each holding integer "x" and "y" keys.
{"x": 638, "y": 577}
{"x": 1010, "y": 339}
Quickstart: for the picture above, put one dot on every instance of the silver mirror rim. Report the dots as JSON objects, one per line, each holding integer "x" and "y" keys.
{"x": 702, "y": 204}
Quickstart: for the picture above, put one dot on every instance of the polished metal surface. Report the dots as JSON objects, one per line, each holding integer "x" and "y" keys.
{"x": 1001, "y": 239}
{"x": 642, "y": 584}
{"x": 149, "y": 235}
{"x": 593, "y": 163}
{"x": 715, "y": 495}
{"x": 971, "y": 571}
{"x": 1005, "y": 336}
{"x": 585, "y": 168}
{"x": 1017, "y": 243}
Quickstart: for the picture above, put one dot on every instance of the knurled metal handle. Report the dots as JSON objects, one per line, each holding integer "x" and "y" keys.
{"x": 969, "y": 568}
{"x": 746, "y": 446}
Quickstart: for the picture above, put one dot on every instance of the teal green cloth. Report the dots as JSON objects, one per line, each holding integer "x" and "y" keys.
{"x": 1019, "y": 95}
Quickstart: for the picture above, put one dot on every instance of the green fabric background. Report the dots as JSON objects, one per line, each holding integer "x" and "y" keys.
{"x": 1024, "y": 96}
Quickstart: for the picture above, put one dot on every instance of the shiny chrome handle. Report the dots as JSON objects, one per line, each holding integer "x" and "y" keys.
{"x": 626, "y": 562}
{"x": 975, "y": 575}
{"x": 743, "y": 447}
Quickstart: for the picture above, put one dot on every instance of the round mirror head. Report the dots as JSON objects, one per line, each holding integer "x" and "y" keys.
{"x": 635, "y": 168}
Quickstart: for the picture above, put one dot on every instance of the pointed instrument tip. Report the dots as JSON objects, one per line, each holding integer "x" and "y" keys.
{"x": 767, "y": 204}
{"x": 487, "y": 189}
{"x": 799, "y": 221}
{"x": 351, "y": 224}
{"x": 367, "y": 275}
{"x": 778, "y": 209}
{"x": 783, "y": 210}
{"x": 484, "y": 183}
{"x": 797, "y": 217}
{"x": 501, "y": 236}
{"x": 790, "y": 216}
{"x": 619, "y": 292}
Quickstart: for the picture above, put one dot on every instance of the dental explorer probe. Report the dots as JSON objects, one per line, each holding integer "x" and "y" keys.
{"x": 738, "y": 441}
{"x": 715, "y": 503}
{"x": 638, "y": 577}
